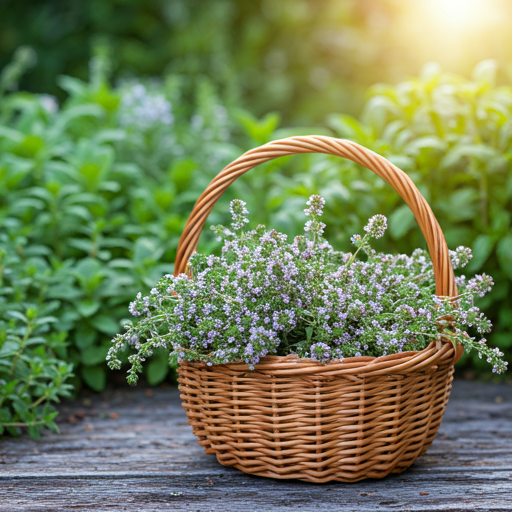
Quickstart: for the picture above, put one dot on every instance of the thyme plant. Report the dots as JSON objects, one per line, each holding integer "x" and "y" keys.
{"x": 266, "y": 295}
{"x": 34, "y": 373}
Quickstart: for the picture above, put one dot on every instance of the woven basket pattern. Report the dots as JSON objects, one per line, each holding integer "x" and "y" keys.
{"x": 324, "y": 423}
{"x": 363, "y": 417}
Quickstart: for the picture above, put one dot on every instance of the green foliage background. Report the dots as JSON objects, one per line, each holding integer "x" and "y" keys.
{"x": 92, "y": 204}
{"x": 303, "y": 58}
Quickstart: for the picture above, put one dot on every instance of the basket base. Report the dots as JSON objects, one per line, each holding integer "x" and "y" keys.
{"x": 315, "y": 428}
{"x": 316, "y": 476}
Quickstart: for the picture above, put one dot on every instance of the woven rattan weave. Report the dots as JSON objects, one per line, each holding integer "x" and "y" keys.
{"x": 360, "y": 418}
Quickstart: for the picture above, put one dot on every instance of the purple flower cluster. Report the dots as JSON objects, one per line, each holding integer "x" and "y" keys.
{"x": 267, "y": 295}
{"x": 320, "y": 352}
{"x": 376, "y": 226}
{"x": 316, "y": 208}
{"x": 239, "y": 214}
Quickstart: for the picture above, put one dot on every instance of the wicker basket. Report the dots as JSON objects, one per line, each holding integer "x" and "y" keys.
{"x": 364, "y": 417}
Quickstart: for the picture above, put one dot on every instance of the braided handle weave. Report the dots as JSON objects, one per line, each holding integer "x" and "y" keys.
{"x": 443, "y": 271}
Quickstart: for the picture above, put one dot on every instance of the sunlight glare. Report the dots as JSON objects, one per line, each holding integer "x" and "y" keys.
{"x": 460, "y": 13}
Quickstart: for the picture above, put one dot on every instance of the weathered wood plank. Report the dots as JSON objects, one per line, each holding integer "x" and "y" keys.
{"x": 124, "y": 450}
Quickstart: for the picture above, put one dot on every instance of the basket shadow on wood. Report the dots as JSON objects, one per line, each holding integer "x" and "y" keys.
{"x": 363, "y": 417}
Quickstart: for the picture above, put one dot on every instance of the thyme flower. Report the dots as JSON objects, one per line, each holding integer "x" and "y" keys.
{"x": 239, "y": 214}
{"x": 267, "y": 295}
{"x": 376, "y": 226}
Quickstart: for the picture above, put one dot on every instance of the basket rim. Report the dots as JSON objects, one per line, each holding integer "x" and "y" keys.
{"x": 439, "y": 352}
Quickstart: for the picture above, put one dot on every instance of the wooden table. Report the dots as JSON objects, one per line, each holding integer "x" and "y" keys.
{"x": 132, "y": 450}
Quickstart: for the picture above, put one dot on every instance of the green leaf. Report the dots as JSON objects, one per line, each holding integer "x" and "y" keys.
{"x": 77, "y": 111}
{"x": 88, "y": 307}
{"x": 79, "y": 211}
{"x": 5, "y": 415}
{"x": 105, "y": 324}
{"x": 484, "y": 73}
{"x": 121, "y": 263}
{"x": 335, "y": 191}
{"x": 147, "y": 250}
{"x": 500, "y": 222}
{"x": 181, "y": 173}
{"x": 88, "y": 268}
{"x": 34, "y": 431}
{"x": 26, "y": 203}
{"x": 46, "y": 320}
{"x": 82, "y": 244}
{"x": 51, "y": 425}
{"x": 95, "y": 377}
{"x": 22, "y": 409}
{"x": 259, "y": 130}
{"x": 157, "y": 368}
{"x": 401, "y": 221}
{"x": 462, "y": 205}
{"x": 163, "y": 198}
{"x": 104, "y": 136}
{"x": 378, "y": 111}
{"x": 428, "y": 142}
{"x": 478, "y": 151}
{"x": 30, "y": 147}
{"x": 504, "y": 252}
{"x": 85, "y": 336}
{"x": 110, "y": 186}
{"x": 348, "y": 127}
{"x": 64, "y": 291}
{"x": 17, "y": 315}
{"x": 403, "y": 162}
{"x": 73, "y": 86}
{"x": 38, "y": 250}
{"x": 94, "y": 355}
{"x": 117, "y": 242}
{"x": 8, "y": 348}
{"x": 482, "y": 248}
{"x": 12, "y": 135}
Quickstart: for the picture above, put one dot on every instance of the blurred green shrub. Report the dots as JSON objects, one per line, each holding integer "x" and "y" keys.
{"x": 33, "y": 353}
{"x": 454, "y": 138}
{"x": 97, "y": 190}
{"x": 300, "y": 57}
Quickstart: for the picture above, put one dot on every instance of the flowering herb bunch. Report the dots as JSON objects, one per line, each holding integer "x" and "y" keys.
{"x": 267, "y": 295}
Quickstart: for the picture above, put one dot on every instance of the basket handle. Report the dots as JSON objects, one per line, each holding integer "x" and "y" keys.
{"x": 443, "y": 271}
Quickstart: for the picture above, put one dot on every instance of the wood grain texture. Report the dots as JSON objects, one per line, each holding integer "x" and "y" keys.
{"x": 128, "y": 451}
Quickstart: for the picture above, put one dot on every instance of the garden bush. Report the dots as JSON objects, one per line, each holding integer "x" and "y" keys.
{"x": 454, "y": 138}
{"x": 304, "y": 58}
{"x": 96, "y": 191}
{"x": 33, "y": 351}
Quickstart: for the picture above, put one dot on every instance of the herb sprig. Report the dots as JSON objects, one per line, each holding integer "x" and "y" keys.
{"x": 266, "y": 295}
